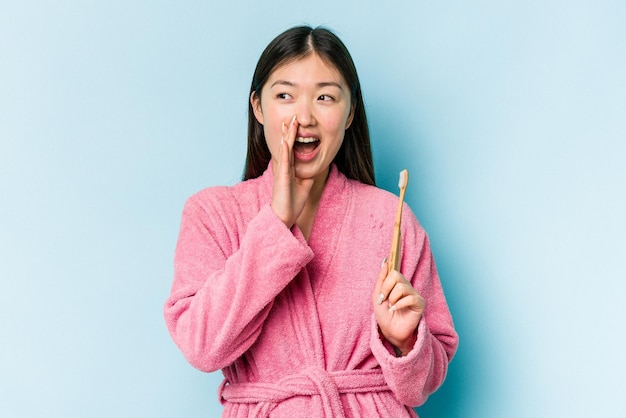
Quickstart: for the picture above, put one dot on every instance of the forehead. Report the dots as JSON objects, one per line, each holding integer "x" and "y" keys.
{"x": 309, "y": 69}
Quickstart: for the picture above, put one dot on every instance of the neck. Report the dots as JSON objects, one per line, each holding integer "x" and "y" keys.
{"x": 306, "y": 218}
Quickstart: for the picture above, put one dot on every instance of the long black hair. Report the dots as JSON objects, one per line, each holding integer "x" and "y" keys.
{"x": 354, "y": 158}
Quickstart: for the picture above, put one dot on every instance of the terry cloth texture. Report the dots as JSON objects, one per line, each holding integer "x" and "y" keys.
{"x": 290, "y": 322}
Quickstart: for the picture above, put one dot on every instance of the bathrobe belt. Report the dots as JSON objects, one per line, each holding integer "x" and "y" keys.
{"x": 310, "y": 382}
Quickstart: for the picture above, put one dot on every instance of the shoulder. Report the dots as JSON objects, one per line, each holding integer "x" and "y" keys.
{"x": 377, "y": 199}
{"x": 210, "y": 198}
{"x": 374, "y": 195}
{"x": 380, "y": 206}
{"x": 226, "y": 201}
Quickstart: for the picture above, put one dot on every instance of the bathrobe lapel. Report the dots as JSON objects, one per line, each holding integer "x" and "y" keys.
{"x": 328, "y": 225}
{"x": 305, "y": 320}
{"x": 301, "y": 294}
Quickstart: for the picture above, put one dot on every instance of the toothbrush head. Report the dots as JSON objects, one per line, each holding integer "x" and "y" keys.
{"x": 404, "y": 179}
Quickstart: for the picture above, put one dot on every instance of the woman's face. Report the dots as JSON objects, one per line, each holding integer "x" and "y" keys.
{"x": 318, "y": 96}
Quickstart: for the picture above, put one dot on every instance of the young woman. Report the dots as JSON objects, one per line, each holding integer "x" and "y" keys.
{"x": 278, "y": 279}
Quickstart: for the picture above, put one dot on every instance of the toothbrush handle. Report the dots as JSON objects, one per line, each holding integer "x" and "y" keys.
{"x": 394, "y": 255}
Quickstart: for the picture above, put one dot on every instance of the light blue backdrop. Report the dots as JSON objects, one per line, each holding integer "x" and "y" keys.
{"x": 509, "y": 115}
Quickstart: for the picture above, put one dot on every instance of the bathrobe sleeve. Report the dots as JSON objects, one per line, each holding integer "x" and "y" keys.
{"x": 414, "y": 377}
{"x": 227, "y": 272}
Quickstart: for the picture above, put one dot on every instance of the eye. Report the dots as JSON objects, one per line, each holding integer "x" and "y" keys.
{"x": 326, "y": 98}
{"x": 283, "y": 96}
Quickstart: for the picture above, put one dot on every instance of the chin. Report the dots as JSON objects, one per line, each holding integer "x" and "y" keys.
{"x": 304, "y": 173}
{"x": 314, "y": 175}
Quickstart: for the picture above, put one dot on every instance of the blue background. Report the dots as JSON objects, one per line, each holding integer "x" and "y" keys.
{"x": 509, "y": 115}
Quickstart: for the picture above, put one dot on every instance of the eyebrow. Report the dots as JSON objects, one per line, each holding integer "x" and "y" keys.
{"x": 291, "y": 84}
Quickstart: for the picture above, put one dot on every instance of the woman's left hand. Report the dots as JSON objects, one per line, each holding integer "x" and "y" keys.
{"x": 398, "y": 308}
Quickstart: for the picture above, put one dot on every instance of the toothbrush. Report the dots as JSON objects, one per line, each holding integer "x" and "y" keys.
{"x": 394, "y": 254}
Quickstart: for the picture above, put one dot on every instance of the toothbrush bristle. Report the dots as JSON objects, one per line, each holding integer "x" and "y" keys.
{"x": 404, "y": 178}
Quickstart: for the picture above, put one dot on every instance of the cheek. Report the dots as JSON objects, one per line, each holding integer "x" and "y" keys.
{"x": 270, "y": 138}
{"x": 273, "y": 122}
{"x": 272, "y": 130}
{"x": 336, "y": 123}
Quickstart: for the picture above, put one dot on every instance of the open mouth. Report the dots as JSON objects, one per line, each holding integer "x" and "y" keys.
{"x": 305, "y": 146}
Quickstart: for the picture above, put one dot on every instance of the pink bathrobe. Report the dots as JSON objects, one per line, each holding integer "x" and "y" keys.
{"x": 290, "y": 322}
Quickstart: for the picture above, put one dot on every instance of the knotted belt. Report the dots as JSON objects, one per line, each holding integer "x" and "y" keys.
{"x": 310, "y": 382}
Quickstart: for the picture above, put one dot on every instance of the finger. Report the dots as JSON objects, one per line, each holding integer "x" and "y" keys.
{"x": 377, "y": 296}
{"x": 283, "y": 131}
{"x": 393, "y": 277}
{"x": 290, "y": 138}
{"x": 411, "y": 301}
{"x": 397, "y": 292}
{"x": 283, "y": 154}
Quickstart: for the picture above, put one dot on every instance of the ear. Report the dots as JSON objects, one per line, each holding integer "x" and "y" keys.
{"x": 350, "y": 117}
{"x": 255, "y": 101}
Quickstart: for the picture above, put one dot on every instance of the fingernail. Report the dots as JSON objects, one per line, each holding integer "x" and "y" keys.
{"x": 292, "y": 121}
{"x": 392, "y": 308}
{"x": 383, "y": 263}
{"x": 380, "y": 299}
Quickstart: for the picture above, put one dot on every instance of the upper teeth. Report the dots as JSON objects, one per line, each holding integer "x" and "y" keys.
{"x": 306, "y": 140}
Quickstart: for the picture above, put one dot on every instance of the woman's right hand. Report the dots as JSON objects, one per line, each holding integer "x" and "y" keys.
{"x": 290, "y": 194}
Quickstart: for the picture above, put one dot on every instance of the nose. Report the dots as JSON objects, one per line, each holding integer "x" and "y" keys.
{"x": 305, "y": 114}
